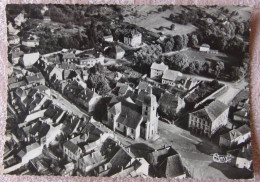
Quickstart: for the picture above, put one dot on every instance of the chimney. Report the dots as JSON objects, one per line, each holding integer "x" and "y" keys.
{"x": 92, "y": 155}
{"x": 105, "y": 167}
{"x": 37, "y": 75}
{"x": 128, "y": 150}
{"x": 122, "y": 168}
{"x": 164, "y": 146}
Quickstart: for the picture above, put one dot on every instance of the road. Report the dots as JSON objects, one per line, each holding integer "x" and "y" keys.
{"x": 195, "y": 152}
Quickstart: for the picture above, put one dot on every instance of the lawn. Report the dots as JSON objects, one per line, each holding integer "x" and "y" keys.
{"x": 151, "y": 19}
{"x": 194, "y": 54}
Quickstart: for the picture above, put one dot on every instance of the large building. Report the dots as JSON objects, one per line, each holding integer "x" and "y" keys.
{"x": 135, "y": 119}
{"x": 157, "y": 70}
{"x": 133, "y": 38}
{"x": 209, "y": 119}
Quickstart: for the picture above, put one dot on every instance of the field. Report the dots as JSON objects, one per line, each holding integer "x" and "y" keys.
{"x": 203, "y": 56}
{"x": 151, "y": 19}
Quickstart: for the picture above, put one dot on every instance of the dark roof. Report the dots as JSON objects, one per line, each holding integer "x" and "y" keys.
{"x": 120, "y": 159}
{"x": 130, "y": 115}
{"x": 172, "y": 167}
{"x": 38, "y": 77}
{"x": 17, "y": 84}
{"x": 212, "y": 111}
{"x": 146, "y": 98}
{"x": 71, "y": 146}
{"x": 68, "y": 56}
{"x": 87, "y": 95}
{"x": 169, "y": 100}
{"x": 160, "y": 154}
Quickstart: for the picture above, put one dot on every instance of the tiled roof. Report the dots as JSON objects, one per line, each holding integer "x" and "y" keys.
{"x": 68, "y": 56}
{"x": 161, "y": 66}
{"x": 38, "y": 77}
{"x": 172, "y": 166}
{"x": 169, "y": 100}
{"x": 171, "y": 75}
{"x": 71, "y": 146}
{"x": 212, "y": 111}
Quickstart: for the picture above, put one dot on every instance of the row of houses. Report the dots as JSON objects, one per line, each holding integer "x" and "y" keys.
{"x": 160, "y": 71}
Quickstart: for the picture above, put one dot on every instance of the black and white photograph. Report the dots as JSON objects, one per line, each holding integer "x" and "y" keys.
{"x": 151, "y": 91}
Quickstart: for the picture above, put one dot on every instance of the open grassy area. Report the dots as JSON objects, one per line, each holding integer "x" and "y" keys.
{"x": 150, "y": 18}
{"x": 194, "y": 54}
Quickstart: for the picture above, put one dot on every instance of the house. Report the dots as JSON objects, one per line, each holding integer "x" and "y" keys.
{"x": 88, "y": 99}
{"x": 115, "y": 52}
{"x": 157, "y": 70}
{"x": 242, "y": 116}
{"x": 15, "y": 55}
{"x": 170, "y": 105}
{"x": 90, "y": 161}
{"x": 121, "y": 160}
{"x": 68, "y": 57}
{"x": 138, "y": 168}
{"x": 235, "y": 137}
{"x": 69, "y": 169}
{"x": 167, "y": 163}
{"x": 135, "y": 119}
{"x": 90, "y": 60}
{"x": 30, "y": 152}
{"x": 122, "y": 89}
{"x": 36, "y": 79}
{"x": 13, "y": 40}
{"x": 133, "y": 38}
{"x": 29, "y": 59}
{"x": 108, "y": 38}
{"x": 143, "y": 86}
{"x": 170, "y": 76}
{"x": 55, "y": 113}
{"x": 204, "y": 48}
{"x": 30, "y": 43}
{"x": 53, "y": 72}
{"x": 209, "y": 119}
{"x": 242, "y": 158}
{"x": 71, "y": 150}
{"x": 172, "y": 167}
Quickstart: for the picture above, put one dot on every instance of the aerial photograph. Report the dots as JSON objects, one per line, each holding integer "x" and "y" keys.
{"x": 151, "y": 91}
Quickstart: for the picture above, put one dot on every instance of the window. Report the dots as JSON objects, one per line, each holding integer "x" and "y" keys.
{"x": 118, "y": 124}
{"x": 132, "y": 130}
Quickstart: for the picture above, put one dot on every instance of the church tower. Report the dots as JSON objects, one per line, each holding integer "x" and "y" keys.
{"x": 149, "y": 112}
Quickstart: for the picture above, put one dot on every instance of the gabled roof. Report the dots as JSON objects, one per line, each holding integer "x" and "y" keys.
{"x": 161, "y": 66}
{"x": 35, "y": 78}
{"x": 169, "y": 100}
{"x": 172, "y": 166}
{"x": 32, "y": 146}
{"x": 71, "y": 146}
{"x": 88, "y": 94}
{"x": 143, "y": 85}
{"x": 68, "y": 56}
{"x": 119, "y": 49}
{"x": 205, "y": 45}
{"x": 212, "y": 111}
{"x": 30, "y": 59}
{"x": 171, "y": 75}
{"x": 93, "y": 158}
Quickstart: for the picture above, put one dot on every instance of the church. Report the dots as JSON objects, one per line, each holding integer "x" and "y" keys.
{"x": 134, "y": 118}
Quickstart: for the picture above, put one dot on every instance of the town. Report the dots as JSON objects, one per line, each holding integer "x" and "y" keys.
{"x": 108, "y": 95}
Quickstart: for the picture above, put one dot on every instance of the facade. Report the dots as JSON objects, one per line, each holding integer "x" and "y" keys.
{"x": 204, "y": 48}
{"x": 135, "y": 119}
{"x": 71, "y": 150}
{"x": 116, "y": 52}
{"x": 13, "y": 40}
{"x": 108, "y": 38}
{"x": 30, "y": 43}
{"x": 157, "y": 70}
{"x": 170, "y": 105}
{"x": 90, "y": 60}
{"x": 209, "y": 119}
{"x": 68, "y": 57}
{"x": 133, "y": 38}
{"x": 170, "y": 76}
{"x": 88, "y": 99}
{"x": 235, "y": 137}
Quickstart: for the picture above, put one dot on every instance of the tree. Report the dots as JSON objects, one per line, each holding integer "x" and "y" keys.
{"x": 237, "y": 73}
{"x": 193, "y": 41}
{"x": 169, "y": 45}
{"x": 178, "y": 42}
{"x": 177, "y": 62}
{"x": 173, "y": 27}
